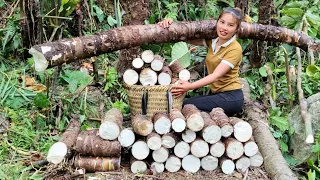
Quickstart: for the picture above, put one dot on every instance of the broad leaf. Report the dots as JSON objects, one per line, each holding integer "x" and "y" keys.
{"x": 181, "y": 52}
{"x": 99, "y": 13}
{"x": 263, "y": 72}
{"x": 292, "y": 12}
{"x": 283, "y": 146}
{"x": 280, "y": 122}
{"x": 311, "y": 174}
{"x": 316, "y": 147}
{"x": 288, "y": 21}
{"x": 312, "y": 70}
{"x": 76, "y": 79}
{"x": 111, "y": 21}
{"x": 313, "y": 19}
{"x": 296, "y": 4}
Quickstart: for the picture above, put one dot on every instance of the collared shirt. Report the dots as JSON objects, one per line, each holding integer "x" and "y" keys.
{"x": 229, "y": 53}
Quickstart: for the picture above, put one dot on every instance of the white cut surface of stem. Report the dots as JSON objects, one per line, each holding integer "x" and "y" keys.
{"x": 147, "y": 56}
{"x": 162, "y": 125}
{"x": 226, "y": 130}
{"x": 211, "y": 134}
{"x": 251, "y": 148}
{"x": 195, "y": 122}
{"x": 181, "y": 149}
{"x": 168, "y": 141}
{"x": 199, "y": 148}
{"x": 154, "y": 143}
{"x": 256, "y": 160}
{"x": 109, "y": 130}
{"x": 126, "y": 137}
{"x": 138, "y": 167}
{"x": 148, "y": 77}
{"x": 164, "y": 79}
{"x": 209, "y": 163}
{"x": 217, "y": 149}
{"x": 137, "y": 63}
{"x": 242, "y": 131}
{"x": 157, "y": 167}
{"x": 242, "y": 164}
{"x": 160, "y": 155}
{"x": 184, "y": 75}
{"x": 130, "y": 77}
{"x": 140, "y": 150}
{"x": 189, "y": 136}
{"x": 57, "y": 152}
{"x": 191, "y": 164}
{"x": 157, "y": 65}
{"x": 227, "y": 166}
{"x": 173, "y": 164}
{"x": 179, "y": 125}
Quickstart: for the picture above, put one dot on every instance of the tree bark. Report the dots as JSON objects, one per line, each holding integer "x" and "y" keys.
{"x": 69, "y": 50}
{"x": 137, "y": 12}
{"x": 30, "y": 24}
{"x": 243, "y": 5}
{"x": 257, "y": 57}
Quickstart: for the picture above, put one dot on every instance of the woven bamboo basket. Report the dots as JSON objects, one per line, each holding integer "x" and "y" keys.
{"x": 157, "y": 99}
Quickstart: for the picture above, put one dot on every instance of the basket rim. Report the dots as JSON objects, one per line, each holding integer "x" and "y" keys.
{"x": 167, "y": 87}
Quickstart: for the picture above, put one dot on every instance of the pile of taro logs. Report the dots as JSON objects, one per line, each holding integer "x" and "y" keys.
{"x": 186, "y": 139}
{"x": 150, "y": 69}
{"x": 97, "y": 149}
{"x": 190, "y": 140}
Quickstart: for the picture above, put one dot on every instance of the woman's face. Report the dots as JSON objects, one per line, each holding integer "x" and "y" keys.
{"x": 226, "y": 26}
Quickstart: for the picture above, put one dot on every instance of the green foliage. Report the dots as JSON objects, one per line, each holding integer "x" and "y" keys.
{"x": 68, "y": 6}
{"x": 295, "y": 12}
{"x": 181, "y": 52}
{"x": 124, "y": 107}
{"x": 276, "y": 119}
{"x": 75, "y": 79}
{"x": 41, "y": 101}
{"x": 10, "y": 38}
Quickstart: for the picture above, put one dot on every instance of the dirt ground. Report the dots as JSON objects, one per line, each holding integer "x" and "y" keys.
{"x": 252, "y": 174}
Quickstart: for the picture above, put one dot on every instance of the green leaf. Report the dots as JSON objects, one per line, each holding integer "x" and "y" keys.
{"x": 280, "y": 122}
{"x": 99, "y": 13}
{"x": 316, "y": 147}
{"x": 181, "y": 52}
{"x": 277, "y": 134}
{"x": 310, "y": 162}
{"x": 76, "y": 79}
{"x": 292, "y": 12}
{"x": 263, "y": 71}
{"x": 296, "y": 4}
{"x": 111, "y": 21}
{"x": 313, "y": 19}
{"x": 311, "y": 174}
{"x": 290, "y": 160}
{"x": 283, "y": 146}
{"x": 312, "y": 70}
{"x": 82, "y": 118}
{"x": 41, "y": 101}
{"x": 288, "y": 21}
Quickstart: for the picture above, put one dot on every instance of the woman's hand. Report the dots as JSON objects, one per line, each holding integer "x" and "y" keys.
{"x": 182, "y": 87}
{"x": 166, "y": 23}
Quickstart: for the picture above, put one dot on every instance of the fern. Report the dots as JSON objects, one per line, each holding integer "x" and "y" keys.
{"x": 10, "y": 31}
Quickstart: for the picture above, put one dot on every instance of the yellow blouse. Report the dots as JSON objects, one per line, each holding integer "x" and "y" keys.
{"x": 229, "y": 53}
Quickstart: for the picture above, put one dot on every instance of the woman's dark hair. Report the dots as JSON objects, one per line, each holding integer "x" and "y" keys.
{"x": 235, "y": 12}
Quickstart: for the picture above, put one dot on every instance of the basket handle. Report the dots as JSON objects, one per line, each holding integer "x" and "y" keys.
{"x": 169, "y": 98}
{"x": 144, "y": 101}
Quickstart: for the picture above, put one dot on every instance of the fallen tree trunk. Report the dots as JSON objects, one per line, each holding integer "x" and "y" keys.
{"x": 97, "y": 164}
{"x": 68, "y": 50}
{"x": 274, "y": 163}
{"x": 62, "y": 149}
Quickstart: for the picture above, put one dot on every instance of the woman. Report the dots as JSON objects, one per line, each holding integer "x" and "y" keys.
{"x": 222, "y": 61}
